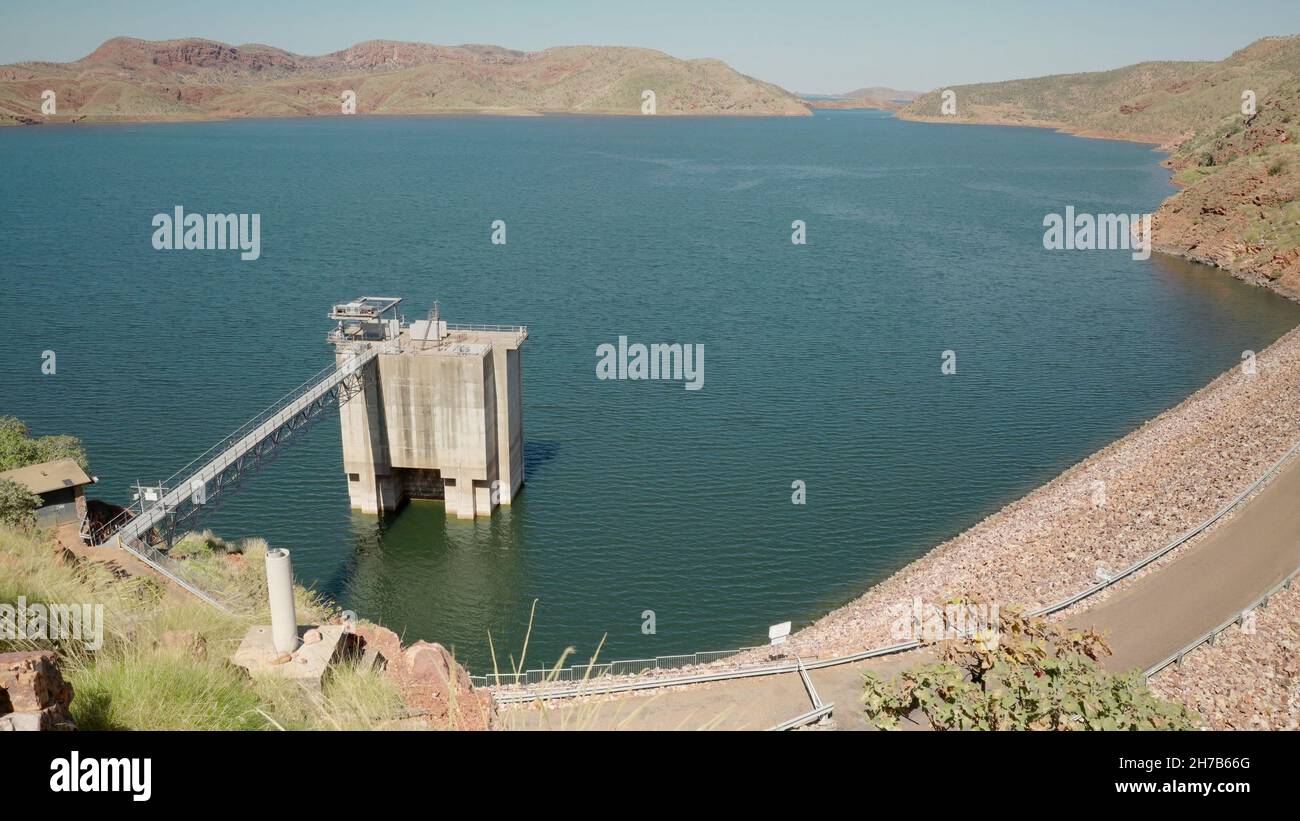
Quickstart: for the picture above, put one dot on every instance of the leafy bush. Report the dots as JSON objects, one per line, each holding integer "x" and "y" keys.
{"x": 17, "y": 504}
{"x": 1028, "y": 675}
{"x": 18, "y": 449}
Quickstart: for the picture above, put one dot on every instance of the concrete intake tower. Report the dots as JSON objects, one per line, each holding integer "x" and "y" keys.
{"x": 440, "y": 412}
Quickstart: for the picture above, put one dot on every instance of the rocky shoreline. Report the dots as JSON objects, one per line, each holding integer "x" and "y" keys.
{"x": 1237, "y": 209}
{"x": 1160, "y": 480}
{"x": 1158, "y": 142}
{"x": 1246, "y": 680}
{"x": 1239, "y": 174}
{"x": 1209, "y": 220}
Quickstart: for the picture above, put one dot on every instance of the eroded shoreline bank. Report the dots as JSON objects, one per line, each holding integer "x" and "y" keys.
{"x": 1203, "y": 220}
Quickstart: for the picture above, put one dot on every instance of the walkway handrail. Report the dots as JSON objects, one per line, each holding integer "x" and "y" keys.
{"x": 508, "y": 697}
{"x": 1180, "y": 541}
{"x": 520, "y": 331}
{"x": 1210, "y": 635}
{"x": 133, "y": 534}
{"x": 815, "y": 714}
{"x": 244, "y": 429}
{"x": 159, "y": 562}
{"x": 324, "y": 374}
{"x": 604, "y": 668}
{"x": 464, "y": 326}
{"x": 586, "y": 689}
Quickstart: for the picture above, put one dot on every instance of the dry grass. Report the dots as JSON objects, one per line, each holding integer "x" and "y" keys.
{"x": 135, "y": 681}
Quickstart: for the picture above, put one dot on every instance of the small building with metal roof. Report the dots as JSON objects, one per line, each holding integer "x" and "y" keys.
{"x": 61, "y": 484}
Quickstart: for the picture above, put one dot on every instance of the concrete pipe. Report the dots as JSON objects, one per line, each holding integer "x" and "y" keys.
{"x": 279, "y": 586}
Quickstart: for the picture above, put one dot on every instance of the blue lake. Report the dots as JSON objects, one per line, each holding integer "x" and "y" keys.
{"x": 822, "y": 360}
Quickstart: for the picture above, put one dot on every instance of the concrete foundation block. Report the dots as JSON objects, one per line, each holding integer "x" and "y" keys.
{"x": 319, "y": 648}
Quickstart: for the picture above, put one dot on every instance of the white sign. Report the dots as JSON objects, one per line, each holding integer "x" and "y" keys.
{"x": 777, "y": 633}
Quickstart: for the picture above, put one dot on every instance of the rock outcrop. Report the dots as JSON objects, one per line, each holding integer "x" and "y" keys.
{"x": 1239, "y": 210}
{"x": 33, "y": 694}
{"x": 1240, "y": 169}
{"x": 431, "y": 682}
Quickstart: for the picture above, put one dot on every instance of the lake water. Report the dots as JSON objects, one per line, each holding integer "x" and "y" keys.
{"x": 822, "y": 360}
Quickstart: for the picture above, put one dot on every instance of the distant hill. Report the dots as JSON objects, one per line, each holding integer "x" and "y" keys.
{"x": 1240, "y": 208}
{"x": 881, "y": 93}
{"x": 875, "y": 97}
{"x": 127, "y": 79}
{"x": 1161, "y": 102}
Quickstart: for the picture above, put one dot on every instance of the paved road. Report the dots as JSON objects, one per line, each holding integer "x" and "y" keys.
{"x": 740, "y": 704}
{"x": 1226, "y": 571}
{"x": 1146, "y": 621}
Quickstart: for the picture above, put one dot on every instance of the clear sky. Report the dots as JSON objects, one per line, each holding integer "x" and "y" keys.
{"x": 803, "y": 45}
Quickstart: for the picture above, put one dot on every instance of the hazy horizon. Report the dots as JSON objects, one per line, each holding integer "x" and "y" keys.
{"x": 827, "y": 47}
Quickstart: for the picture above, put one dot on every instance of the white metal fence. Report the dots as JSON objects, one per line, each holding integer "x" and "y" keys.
{"x": 590, "y": 683}
{"x": 585, "y": 672}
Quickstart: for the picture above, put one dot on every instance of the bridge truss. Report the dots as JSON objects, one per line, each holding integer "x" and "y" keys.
{"x": 172, "y": 506}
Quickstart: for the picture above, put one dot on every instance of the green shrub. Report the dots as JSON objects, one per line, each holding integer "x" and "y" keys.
{"x": 1027, "y": 676}
{"x": 17, "y": 504}
{"x": 18, "y": 449}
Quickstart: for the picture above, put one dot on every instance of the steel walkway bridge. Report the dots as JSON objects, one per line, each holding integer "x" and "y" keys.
{"x": 158, "y": 511}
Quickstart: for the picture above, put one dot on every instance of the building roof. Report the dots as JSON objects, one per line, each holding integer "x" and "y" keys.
{"x": 48, "y": 476}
